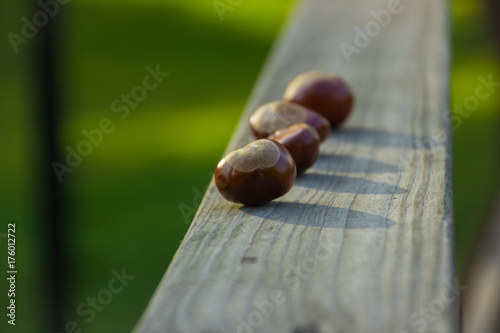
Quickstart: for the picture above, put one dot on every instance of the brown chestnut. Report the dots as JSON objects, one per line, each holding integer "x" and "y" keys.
{"x": 302, "y": 141}
{"x": 324, "y": 93}
{"x": 257, "y": 173}
{"x": 274, "y": 116}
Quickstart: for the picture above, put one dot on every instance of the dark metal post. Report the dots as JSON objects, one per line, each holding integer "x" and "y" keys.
{"x": 49, "y": 108}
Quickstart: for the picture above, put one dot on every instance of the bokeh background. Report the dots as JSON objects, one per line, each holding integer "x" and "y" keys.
{"x": 131, "y": 200}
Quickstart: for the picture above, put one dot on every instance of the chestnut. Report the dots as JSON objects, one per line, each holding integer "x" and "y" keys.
{"x": 324, "y": 93}
{"x": 255, "y": 174}
{"x": 274, "y": 116}
{"x": 302, "y": 141}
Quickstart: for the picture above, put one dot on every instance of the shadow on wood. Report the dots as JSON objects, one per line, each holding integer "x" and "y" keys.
{"x": 313, "y": 215}
{"x": 382, "y": 138}
{"x": 352, "y": 164}
{"x": 344, "y": 184}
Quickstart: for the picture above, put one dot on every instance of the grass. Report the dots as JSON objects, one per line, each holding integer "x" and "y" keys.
{"x": 476, "y": 139}
{"x": 125, "y": 196}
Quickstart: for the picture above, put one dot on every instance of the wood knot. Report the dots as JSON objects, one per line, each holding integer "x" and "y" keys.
{"x": 307, "y": 329}
{"x": 248, "y": 260}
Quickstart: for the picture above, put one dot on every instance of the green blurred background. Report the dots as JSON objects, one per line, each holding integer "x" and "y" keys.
{"x": 130, "y": 202}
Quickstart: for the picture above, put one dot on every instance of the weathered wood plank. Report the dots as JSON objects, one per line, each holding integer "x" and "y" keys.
{"x": 365, "y": 240}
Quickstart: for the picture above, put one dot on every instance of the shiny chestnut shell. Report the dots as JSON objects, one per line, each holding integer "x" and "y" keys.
{"x": 277, "y": 115}
{"x": 302, "y": 141}
{"x": 324, "y": 93}
{"x": 255, "y": 174}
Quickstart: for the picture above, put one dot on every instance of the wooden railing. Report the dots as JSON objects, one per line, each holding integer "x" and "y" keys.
{"x": 364, "y": 242}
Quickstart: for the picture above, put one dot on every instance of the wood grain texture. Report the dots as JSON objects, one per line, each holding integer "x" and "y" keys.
{"x": 365, "y": 239}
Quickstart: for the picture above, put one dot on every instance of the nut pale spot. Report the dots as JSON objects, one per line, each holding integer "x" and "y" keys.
{"x": 277, "y": 115}
{"x": 258, "y": 154}
{"x": 305, "y": 80}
